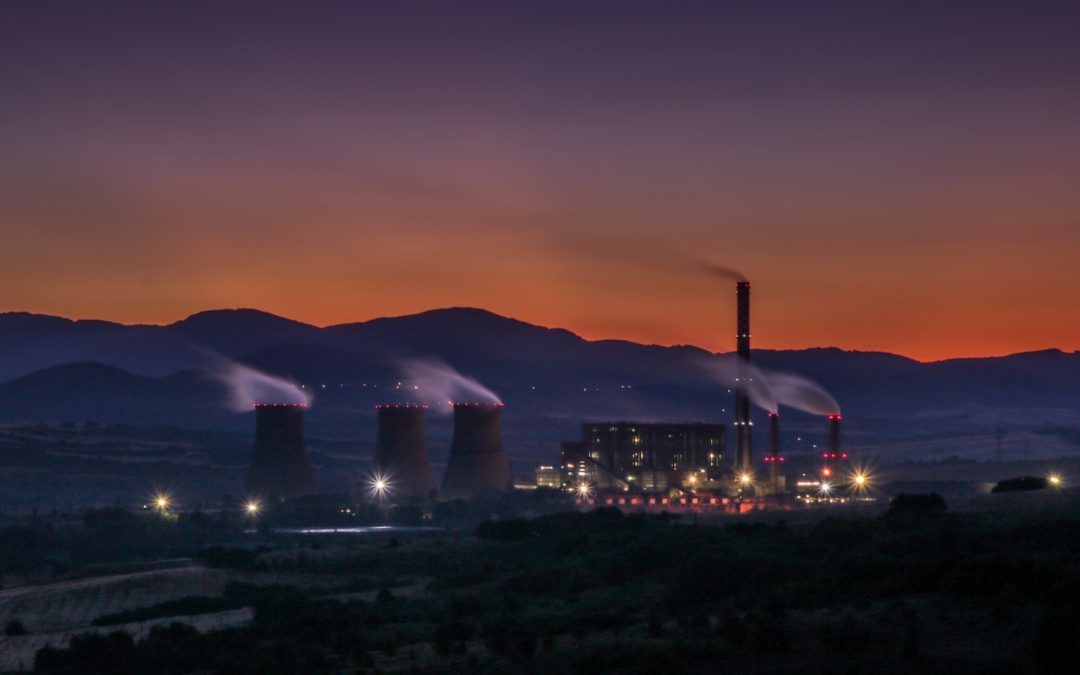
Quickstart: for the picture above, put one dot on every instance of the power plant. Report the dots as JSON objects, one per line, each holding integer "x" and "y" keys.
{"x": 279, "y": 462}
{"x": 477, "y": 464}
{"x": 401, "y": 456}
{"x": 647, "y": 463}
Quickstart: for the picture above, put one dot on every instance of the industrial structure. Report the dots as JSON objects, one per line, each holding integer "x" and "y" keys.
{"x": 744, "y": 451}
{"x": 477, "y": 463}
{"x": 401, "y": 456}
{"x": 835, "y": 459}
{"x": 643, "y": 457}
{"x": 279, "y": 462}
{"x": 777, "y": 479}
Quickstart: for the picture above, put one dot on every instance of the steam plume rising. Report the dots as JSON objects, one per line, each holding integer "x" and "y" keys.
{"x": 736, "y": 373}
{"x": 799, "y": 392}
{"x": 769, "y": 389}
{"x": 248, "y": 386}
{"x": 435, "y": 382}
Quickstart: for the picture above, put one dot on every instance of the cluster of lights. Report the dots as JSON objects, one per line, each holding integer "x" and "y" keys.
{"x": 381, "y": 406}
{"x": 770, "y": 458}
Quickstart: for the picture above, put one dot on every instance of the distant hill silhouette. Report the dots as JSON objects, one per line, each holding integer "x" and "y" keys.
{"x": 550, "y": 378}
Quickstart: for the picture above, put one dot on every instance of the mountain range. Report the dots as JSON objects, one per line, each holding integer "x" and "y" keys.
{"x": 551, "y": 379}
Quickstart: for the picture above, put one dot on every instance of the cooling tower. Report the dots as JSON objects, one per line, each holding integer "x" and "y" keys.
{"x": 401, "y": 455}
{"x": 743, "y": 426}
{"x": 477, "y": 464}
{"x": 279, "y": 463}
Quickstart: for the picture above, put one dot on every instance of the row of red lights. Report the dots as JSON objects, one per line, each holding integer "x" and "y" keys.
{"x": 279, "y": 405}
{"x": 774, "y": 459}
{"x": 835, "y": 417}
{"x": 380, "y": 406}
{"x": 833, "y": 455}
{"x": 487, "y": 405}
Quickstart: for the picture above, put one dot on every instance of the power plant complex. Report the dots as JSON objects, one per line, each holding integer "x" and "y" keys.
{"x": 613, "y": 461}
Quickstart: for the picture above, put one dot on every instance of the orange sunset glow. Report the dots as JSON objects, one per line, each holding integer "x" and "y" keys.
{"x": 898, "y": 207}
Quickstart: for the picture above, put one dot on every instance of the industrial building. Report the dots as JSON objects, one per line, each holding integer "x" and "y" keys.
{"x": 645, "y": 457}
{"x": 549, "y": 477}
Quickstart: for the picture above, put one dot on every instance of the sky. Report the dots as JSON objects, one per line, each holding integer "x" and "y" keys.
{"x": 890, "y": 176}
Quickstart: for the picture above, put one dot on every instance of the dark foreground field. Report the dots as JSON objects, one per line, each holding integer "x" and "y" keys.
{"x": 603, "y": 592}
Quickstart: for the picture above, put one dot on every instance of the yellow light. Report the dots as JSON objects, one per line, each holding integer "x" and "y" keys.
{"x": 583, "y": 490}
{"x": 162, "y": 502}
{"x": 252, "y": 508}
{"x": 1054, "y": 480}
{"x": 745, "y": 478}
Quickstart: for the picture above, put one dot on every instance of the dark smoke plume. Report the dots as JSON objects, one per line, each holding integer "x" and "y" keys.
{"x": 719, "y": 271}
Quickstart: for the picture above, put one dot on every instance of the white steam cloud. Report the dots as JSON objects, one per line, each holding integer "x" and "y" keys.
{"x": 737, "y": 373}
{"x": 770, "y": 389}
{"x": 248, "y": 386}
{"x": 434, "y": 382}
{"x": 798, "y": 392}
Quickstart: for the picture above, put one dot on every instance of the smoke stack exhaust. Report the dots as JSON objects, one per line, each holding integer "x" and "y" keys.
{"x": 477, "y": 464}
{"x": 401, "y": 455}
{"x": 279, "y": 462}
{"x": 744, "y": 451}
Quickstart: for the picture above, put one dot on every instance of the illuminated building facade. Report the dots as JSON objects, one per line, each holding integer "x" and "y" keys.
{"x": 548, "y": 477}
{"x": 648, "y": 456}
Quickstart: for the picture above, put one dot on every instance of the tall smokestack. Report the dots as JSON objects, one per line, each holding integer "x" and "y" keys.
{"x": 835, "y": 454}
{"x": 774, "y": 457}
{"x": 401, "y": 455}
{"x": 834, "y": 435}
{"x": 477, "y": 463}
{"x": 279, "y": 462}
{"x": 743, "y": 426}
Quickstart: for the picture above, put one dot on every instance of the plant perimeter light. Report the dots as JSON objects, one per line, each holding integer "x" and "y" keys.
{"x": 380, "y": 486}
{"x": 252, "y": 507}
